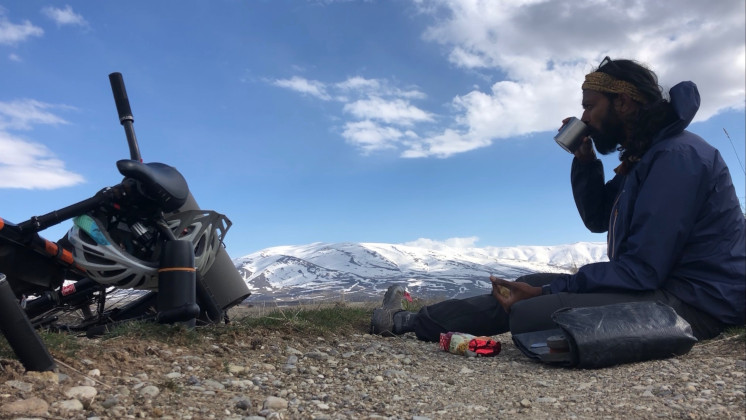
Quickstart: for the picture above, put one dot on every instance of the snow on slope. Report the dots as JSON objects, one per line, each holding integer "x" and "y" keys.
{"x": 364, "y": 270}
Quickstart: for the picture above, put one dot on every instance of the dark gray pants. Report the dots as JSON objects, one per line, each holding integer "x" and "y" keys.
{"x": 483, "y": 315}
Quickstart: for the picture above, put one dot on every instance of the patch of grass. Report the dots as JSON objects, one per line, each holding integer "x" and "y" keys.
{"x": 174, "y": 334}
{"x": 6, "y": 352}
{"x": 738, "y": 333}
{"x": 342, "y": 318}
{"x": 172, "y": 386}
{"x": 339, "y": 318}
{"x": 417, "y": 303}
{"x": 55, "y": 342}
{"x": 63, "y": 343}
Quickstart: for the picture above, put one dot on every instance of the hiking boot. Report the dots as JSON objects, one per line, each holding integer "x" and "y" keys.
{"x": 382, "y": 321}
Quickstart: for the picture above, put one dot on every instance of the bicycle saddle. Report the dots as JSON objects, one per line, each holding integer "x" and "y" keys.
{"x": 159, "y": 182}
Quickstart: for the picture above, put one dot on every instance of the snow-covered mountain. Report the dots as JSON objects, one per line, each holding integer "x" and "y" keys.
{"x": 359, "y": 271}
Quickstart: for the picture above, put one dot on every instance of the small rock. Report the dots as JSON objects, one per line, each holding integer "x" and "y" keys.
{"x": 69, "y": 405}
{"x": 110, "y": 402}
{"x": 275, "y": 403}
{"x": 211, "y": 384}
{"x": 32, "y": 406}
{"x": 150, "y": 391}
{"x": 243, "y": 404}
{"x": 525, "y": 403}
{"x": 46, "y": 376}
{"x": 23, "y": 386}
{"x": 318, "y": 355}
{"x": 122, "y": 390}
{"x": 393, "y": 373}
{"x": 291, "y": 362}
{"x": 84, "y": 394}
{"x": 236, "y": 369}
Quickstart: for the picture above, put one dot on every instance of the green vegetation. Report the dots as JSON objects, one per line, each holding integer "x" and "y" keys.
{"x": 65, "y": 344}
{"x": 312, "y": 320}
{"x": 173, "y": 334}
{"x": 738, "y": 333}
{"x": 339, "y": 318}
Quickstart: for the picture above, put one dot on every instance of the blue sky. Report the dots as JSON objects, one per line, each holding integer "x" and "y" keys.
{"x": 329, "y": 121}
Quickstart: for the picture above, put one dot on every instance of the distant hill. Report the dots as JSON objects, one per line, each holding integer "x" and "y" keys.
{"x": 362, "y": 271}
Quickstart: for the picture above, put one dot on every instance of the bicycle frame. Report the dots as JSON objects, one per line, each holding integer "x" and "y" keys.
{"x": 35, "y": 265}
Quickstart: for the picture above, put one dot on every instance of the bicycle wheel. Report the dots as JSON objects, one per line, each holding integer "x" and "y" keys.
{"x": 81, "y": 305}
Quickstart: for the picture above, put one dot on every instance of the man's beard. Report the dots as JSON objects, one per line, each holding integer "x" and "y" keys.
{"x": 610, "y": 135}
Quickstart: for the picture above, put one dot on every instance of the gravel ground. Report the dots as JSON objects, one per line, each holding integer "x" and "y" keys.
{"x": 280, "y": 375}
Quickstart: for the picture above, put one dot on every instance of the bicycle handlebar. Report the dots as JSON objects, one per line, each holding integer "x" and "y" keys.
{"x": 120, "y": 97}
{"x": 125, "y": 113}
{"x": 39, "y": 223}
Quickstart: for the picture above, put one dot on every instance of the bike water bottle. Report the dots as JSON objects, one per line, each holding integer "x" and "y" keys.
{"x": 21, "y": 336}
{"x": 177, "y": 285}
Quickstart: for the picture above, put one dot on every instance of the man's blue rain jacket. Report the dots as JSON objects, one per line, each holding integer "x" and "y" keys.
{"x": 674, "y": 222}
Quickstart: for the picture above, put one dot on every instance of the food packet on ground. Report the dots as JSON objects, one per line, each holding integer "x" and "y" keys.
{"x": 469, "y": 345}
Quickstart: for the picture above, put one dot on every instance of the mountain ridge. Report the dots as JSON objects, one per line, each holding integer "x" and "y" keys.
{"x": 363, "y": 270}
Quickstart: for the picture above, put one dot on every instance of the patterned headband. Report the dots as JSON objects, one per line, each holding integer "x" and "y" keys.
{"x": 602, "y": 82}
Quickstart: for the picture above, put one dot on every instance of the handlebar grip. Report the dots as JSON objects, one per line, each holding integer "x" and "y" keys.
{"x": 120, "y": 97}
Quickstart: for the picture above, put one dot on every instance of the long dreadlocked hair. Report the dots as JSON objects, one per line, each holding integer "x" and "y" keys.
{"x": 652, "y": 116}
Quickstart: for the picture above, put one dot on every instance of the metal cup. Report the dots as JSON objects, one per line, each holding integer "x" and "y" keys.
{"x": 570, "y": 136}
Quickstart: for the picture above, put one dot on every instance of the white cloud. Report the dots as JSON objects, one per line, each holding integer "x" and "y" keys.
{"x": 23, "y": 163}
{"x": 443, "y": 145}
{"x": 369, "y": 136}
{"x": 22, "y": 114}
{"x": 536, "y": 52}
{"x": 64, "y": 16}
{"x": 12, "y": 33}
{"x": 305, "y": 86}
{"x": 394, "y": 111}
{"x": 544, "y": 44}
{"x": 457, "y": 243}
{"x": 383, "y": 114}
{"x": 358, "y": 83}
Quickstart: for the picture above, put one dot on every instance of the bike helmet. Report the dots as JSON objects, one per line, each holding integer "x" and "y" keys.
{"x": 205, "y": 230}
{"x": 105, "y": 261}
{"x": 108, "y": 262}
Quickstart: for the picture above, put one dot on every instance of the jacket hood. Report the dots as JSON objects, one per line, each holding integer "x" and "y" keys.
{"x": 685, "y": 102}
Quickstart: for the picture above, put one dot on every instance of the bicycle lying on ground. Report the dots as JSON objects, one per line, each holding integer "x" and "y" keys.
{"x": 138, "y": 250}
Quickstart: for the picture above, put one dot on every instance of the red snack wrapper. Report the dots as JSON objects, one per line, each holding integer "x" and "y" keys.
{"x": 484, "y": 346}
{"x": 445, "y": 340}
